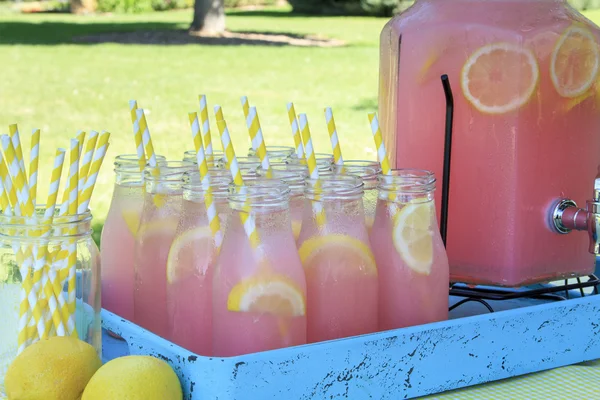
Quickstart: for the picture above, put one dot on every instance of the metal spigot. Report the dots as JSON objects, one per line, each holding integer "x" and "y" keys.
{"x": 566, "y": 216}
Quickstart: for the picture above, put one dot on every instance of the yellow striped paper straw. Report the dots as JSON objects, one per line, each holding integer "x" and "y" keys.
{"x": 219, "y": 117}
{"x": 211, "y": 209}
{"x": 236, "y": 174}
{"x": 34, "y": 160}
{"x": 16, "y": 141}
{"x": 73, "y": 205}
{"x": 379, "y": 145}
{"x": 90, "y": 182}
{"x": 86, "y": 159}
{"x": 208, "y": 148}
{"x": 146, "y": 139}
{"x": 19, "y": 179}
{"x": 137, "y": 134}
{"x": 333, "y": 136}
{"x": 9, "y": 188}
{"x": 313, "y": 169}
{"x": 295, "y": 131}
{"x": 81, "y": 137}
{"x": 45, "y": 282}
{"x": 257, "y": 140}
{"x": 3, "y": 197}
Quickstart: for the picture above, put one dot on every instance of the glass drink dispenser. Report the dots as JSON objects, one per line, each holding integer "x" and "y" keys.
{"x": 526, "y": 132}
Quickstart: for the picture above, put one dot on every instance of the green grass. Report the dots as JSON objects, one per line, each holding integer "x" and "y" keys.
{"x": 50, "y": 82}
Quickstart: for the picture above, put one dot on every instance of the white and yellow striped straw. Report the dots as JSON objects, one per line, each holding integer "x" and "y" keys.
{"x": 86, "y": 159}
{"x": 45, "y": 282}
{"x": 34, "y": 160}
{"x": 74, "y": 158}
{"x": 258, "y": 141}
{"x": 4, "y": 203}
{"x": 206, "y": 139}
{"x": 81, "y": 137}
{"x": 19, "y": 179}
{"x": 245, "y": 106}
{"x": 211, "y": 209}
{"x": 313, "y": 169}
{"x": 379, "y": 145}
{"x": 295, "y": 131}
{"x": 9, "y": 188}
{"x": 16, "y": 141}
{"x": 333, "y": 136}
{"x": 147, "y": 139}
{"x": 137, "y": 134}
{"x": 86, "y": 193}
{"x": 236, "y": 174}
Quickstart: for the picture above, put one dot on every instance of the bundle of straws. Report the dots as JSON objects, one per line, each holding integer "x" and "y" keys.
{"x": 45, "y": 309}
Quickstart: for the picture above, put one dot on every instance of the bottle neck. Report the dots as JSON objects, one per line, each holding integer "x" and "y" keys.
{"x": 368, "y": 171}
{"x": 331, "y": 188}
{"x": 259, "y": 195}
{"x": 128, "y": 171}
{"x": 406, "y": 185}
{"x": 167, "y": 178}
{"x": 196, "y": 188}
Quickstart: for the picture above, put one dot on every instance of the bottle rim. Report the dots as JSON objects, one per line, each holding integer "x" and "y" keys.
{"x": 130, "y": 163}
{"x": 61, "y": 226}
{"x": 169, "y": 171}
{"x": 407, "y": 180}
{"x": 334, "y": 187}
{"x": 259, "y": 193}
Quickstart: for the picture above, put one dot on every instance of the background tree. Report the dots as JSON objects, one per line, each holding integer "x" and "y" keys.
{"x": 209, "y": 17}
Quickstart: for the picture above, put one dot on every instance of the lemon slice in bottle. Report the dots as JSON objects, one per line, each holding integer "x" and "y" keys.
{"x": 499, "y": 77}
{"x": 268, "y": 294}
{"x": 132, "y": 220}
{"x": 412, "y": 236}
{"x": 190, "y": 250}
{"x": 339, "y": 250}
{"x": 574, "y": 62}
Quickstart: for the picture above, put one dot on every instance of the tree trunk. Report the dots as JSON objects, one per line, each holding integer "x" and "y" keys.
{"x": 83, "y": 6}
{"x": 209, "y": 17}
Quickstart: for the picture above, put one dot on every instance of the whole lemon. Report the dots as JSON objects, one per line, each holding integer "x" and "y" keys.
{"x": 58, "y": 368}
{"x": 134, "y": 378}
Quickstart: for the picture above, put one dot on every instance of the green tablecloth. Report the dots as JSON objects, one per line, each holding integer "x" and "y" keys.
{"x": 575, "y": 382}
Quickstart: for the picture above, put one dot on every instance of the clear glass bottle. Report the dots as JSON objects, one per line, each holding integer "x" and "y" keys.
{"x": 324, "y": 161}
{"x": 293, "y": 175}
{"x": 411, "y": 258}
{"x": 259, "y": 288}
{"x": 158, "y": 225}
{"x": 368, "y": 172}
{"x": 190, "y": 263}
{"x": 217, "y": 160}
{"x": 277, "y": 154}
{"x": 118, "y": 236}
{"x": 341, "y": 274}
{"x": 35, "y": 264}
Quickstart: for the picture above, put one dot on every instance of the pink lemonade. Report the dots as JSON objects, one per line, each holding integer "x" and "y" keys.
{"x": 259, "y": 294}
{"x": 525, "y": 80}
{"x": 118, "y": 237}
{"x": 411, "y": 258}
{"x": 190, "y": 269}
{"x": 341, "y": 274}
{"x": 158, "y": 226}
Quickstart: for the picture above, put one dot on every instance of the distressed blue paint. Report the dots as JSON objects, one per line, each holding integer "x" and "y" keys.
{"x": 397, "y": 364}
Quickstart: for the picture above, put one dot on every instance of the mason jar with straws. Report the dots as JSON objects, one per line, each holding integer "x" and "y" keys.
{"x": 49, "y": 264}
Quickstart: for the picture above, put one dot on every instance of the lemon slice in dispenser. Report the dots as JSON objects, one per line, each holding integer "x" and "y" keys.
{"x": 499, "y": 77}
{"x": 413, "y": 237}
{"x": 575, "y": 62}
{"x": 277, "y": 295}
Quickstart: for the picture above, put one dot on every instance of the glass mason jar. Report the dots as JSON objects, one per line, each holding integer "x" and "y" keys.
{"x": 410, "y": 254}
{"x": 523, "y": 72}
{"x": 277, "y": 154}
{"x": 293, "y": 175}
{"x": 52, "y": 267}
{"x": 341, "y": 274}
{"x": 118, "y": 236}
{"x": 158, "y": 225}
{"x": 217, "y": 161}
{"x": 190, "y": 263}
{"x": 259, "y": 289}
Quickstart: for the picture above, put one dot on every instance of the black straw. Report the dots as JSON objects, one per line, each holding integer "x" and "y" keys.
{"x": 447, "y": 156}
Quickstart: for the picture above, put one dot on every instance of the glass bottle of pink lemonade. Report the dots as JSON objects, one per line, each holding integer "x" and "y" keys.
{"x": 158, "y": 225}
{"x": 411, "y": 258}
{"x": 118, "y": 236}
{"x": 341, "y": 273}
{"x": 217, "y": 160}
{"x": 259, "y": 288}
{"x": 368, "y": 172}
{"x": 190, "y": 264}
{"x": 293, "y": 175}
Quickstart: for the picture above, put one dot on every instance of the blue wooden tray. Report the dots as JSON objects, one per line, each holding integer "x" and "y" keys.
{"x": 473, "y": 347}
